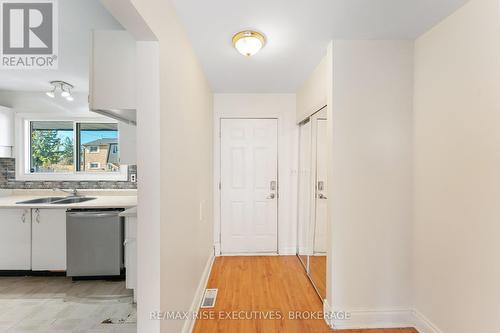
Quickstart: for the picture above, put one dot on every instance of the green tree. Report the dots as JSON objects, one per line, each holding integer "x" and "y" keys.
{"x": 46, "y": 148}
{"x": 67, "y": 151}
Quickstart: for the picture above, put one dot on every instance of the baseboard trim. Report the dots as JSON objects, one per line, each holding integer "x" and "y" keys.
{"x": 327, "y": 309}
{"x": 396, "y": 318}
{"x": 31, "y": 273}
{"x": 198, "y": 296}
{"x": 424, "y": 325}
{"x": 287, "y": 251}
{"x": 367, "y": 319}
{"x": 284, "y": 252}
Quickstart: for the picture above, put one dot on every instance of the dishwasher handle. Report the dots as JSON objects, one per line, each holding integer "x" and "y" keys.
{"x": 93, "y": 214}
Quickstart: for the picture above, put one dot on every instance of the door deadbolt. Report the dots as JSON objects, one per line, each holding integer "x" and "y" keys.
{"x": 272, "y": 185}
{"x": 321, "y": 185}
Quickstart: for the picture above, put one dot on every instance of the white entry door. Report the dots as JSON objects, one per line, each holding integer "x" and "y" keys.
{"x": 321, "y": 188}
{"x": 249, "y": 185}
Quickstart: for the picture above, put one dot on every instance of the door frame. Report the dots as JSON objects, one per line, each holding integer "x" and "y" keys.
{"x": 217, "y": 186}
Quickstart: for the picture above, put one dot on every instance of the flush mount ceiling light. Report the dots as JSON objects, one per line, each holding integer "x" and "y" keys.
{"x": 248, "y": 42}
{"x": 64, "y": 87}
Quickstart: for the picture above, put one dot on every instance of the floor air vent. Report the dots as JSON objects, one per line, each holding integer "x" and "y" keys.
{"x": 209, "y": 298}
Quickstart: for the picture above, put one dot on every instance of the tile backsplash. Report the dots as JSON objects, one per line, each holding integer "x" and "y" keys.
{"x": 8, "y": 180}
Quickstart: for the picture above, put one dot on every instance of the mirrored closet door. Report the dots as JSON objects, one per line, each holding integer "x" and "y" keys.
{"x": 312, "y": 200}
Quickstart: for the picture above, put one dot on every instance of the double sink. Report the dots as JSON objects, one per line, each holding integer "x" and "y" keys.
{"x": 56, "y": 200}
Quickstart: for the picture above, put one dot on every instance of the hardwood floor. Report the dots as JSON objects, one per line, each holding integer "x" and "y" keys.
{"x": 264, "y": 286}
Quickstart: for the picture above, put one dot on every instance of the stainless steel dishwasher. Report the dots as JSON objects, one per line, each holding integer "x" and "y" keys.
{"x": 94, "y": 240}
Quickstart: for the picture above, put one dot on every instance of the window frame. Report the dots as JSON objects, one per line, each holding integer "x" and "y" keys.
{"x": 23, "y": 152}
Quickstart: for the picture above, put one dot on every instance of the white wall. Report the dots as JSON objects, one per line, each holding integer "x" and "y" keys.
{"x": 457, "y": 171}
{"x": 148, "y": 186}
{"x": 185, "y": 162}
{"x": 282, "y": 107}
{"x": 312, "y": 94}
{"x": 148, "y": 159}
{"x": 370, "y": 172}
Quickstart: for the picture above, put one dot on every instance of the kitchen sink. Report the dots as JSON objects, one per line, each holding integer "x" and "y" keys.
{"x": 72, "y": 200}
{"x": 56, "y": 200}
{"x": 48, "y": 200}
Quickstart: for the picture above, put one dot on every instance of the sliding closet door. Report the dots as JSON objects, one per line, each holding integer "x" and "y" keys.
{"x": 312, "y": 200}
{"x": 305, "y": 200}
{"x": 317, "y": 262}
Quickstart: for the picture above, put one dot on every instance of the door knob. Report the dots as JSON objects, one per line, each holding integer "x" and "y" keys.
{"x": 271, "y": 196}
{"x": 322, "y": 196}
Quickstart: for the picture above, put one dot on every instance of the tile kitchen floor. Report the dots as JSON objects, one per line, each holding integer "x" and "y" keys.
{"x": 58, "y": 305}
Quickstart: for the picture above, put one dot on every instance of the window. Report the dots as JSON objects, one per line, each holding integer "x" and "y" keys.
{"x": 94, "y": 165}
{"x": 98, "y": 144}
{"x": 70, "y": 150}
{"x": 51, "y": 146}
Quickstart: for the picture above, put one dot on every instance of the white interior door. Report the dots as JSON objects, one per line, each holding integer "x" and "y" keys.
{"x": 249, "y": 185}
{"x": 321, "y": 187}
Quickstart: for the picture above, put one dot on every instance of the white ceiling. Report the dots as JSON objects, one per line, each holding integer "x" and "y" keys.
{"x": 76, "y": 20}
{"x": 297, "y": 32}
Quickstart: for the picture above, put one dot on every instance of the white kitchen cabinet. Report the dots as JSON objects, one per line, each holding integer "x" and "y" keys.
{"x": 48, "y": 240}
{"x": 15, "y": 239}
{"x": 112, "y": 70}
{"x": 6, "y": 132}
{"x": 131, "y": 253}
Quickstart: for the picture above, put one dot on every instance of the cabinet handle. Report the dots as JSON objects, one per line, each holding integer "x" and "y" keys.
{"x": 37, "y": 211}
{"x": 128, "y": 241}
{"x": 23, "y": 217}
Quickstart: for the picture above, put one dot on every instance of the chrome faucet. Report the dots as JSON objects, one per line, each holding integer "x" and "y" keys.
{"x": 73, "y": 192}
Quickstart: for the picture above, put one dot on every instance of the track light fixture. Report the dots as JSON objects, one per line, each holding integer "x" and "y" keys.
{"x": 64, "y": 87}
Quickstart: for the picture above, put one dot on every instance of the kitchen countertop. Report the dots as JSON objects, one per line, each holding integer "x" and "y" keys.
{"x": 103, "y": 199}
{"x": 131, "y": 212}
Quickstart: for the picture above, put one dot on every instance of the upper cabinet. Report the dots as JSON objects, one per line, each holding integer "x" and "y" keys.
{"x": 112, "y": 74}
{"x": 6, "y": 132}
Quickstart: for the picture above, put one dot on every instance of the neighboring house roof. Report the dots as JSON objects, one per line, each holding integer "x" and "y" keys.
{"x": 112, "y": 154}
{"x": 99, "y": 142}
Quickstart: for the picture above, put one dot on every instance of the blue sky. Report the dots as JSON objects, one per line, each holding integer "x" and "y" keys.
{"x": 87, "y": 136}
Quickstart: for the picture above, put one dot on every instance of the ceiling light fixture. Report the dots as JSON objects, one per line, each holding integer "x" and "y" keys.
{"x": 65, "y": 93}
{"x": 248, "y": 42}
{"x": 65, "y": 88}
{"x": 51, "y": 93}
